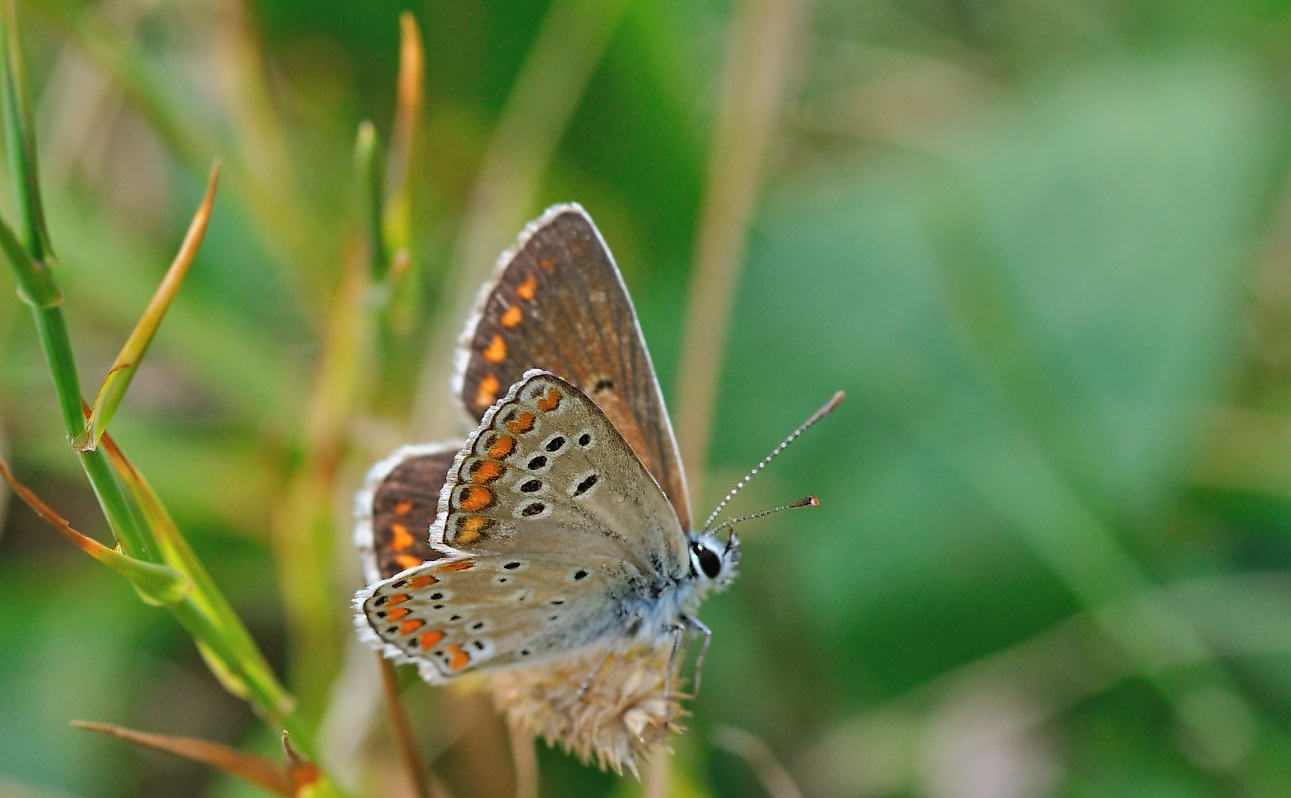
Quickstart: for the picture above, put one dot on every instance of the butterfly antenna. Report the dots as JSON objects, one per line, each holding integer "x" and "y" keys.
{"x": 805, "y": 501}
{"x": 817, "y": 416}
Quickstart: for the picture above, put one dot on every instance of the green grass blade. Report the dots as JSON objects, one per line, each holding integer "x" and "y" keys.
{"x": 159, "y": 585}
{"x": 396, "y": 219}
{"x": 20, "y": 132}
{"x": 368, "y": 167}
{"x": 249, "y": 675}
{"x": 118, "y": 379}
{"x": 166, "y": 586}
{"x": 37, "y": 287}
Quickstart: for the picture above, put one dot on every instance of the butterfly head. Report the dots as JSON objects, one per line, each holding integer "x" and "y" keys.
{"x": 713, "y": 561}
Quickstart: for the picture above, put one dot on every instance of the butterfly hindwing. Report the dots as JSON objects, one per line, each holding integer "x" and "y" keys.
{"x": 461, "y": 614}
{"x": 558, "y": 303}
{"x": 397, "y": 505}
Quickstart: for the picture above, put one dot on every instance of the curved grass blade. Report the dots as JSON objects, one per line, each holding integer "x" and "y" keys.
{"x": 115, "y": 384}
{"x": 248, "y": 675}
{"x": 159, "y": 585}
{"x": 262, "y": 772}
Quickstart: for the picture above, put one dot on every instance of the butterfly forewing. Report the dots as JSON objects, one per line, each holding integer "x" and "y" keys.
{"x": 461, "y": 614}
{"x": 547, "y": 472}
{"x": 558, "y": 303}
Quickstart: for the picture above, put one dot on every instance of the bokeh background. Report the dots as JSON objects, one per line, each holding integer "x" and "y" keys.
{"x": 1044, "y": 246}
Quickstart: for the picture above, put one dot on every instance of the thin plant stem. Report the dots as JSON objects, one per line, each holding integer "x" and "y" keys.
{"x": 125, "y": 525}
{"x": 22, "y": 143}
{"x": 401, "y": 729}
{"x": 525, "y": 760}
{"x": 38, "y": 289}
{"x": 51, "y": 330}
{"x": 656, "y": 778}
{"x": 763, "y": 50}
{"x": 773, "y": 775}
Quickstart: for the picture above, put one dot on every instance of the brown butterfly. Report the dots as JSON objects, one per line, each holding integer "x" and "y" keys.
{"x": 560, "y": 531}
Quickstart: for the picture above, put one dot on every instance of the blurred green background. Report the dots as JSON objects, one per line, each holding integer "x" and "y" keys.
{"x": 1044, "y": 246}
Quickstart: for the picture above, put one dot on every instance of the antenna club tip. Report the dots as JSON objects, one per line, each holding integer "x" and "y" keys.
{"x": 826, "y": 409}
{"x": 805, "y": 501}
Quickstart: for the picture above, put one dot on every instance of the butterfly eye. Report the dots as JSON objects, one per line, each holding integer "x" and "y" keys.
{"x": 707, "y": 561}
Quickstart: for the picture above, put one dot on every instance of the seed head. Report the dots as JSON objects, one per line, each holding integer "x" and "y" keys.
{"x": 627, "y": 710}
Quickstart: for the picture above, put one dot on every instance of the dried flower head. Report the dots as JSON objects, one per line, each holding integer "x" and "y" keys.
{"x": 627, "y": 710}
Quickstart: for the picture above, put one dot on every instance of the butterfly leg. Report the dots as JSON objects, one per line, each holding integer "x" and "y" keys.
{"x": 587, "y": 681}
{"x": 699, "y": 626}
{"x": 591, "y": 675}
{"x": 679, "y": 634}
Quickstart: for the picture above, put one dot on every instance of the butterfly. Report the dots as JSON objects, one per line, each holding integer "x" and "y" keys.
{"x": 561, "y": 528}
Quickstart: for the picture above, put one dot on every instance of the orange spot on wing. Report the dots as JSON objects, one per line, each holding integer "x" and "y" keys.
{"x": 486, "y": 470}
{"x": 402, "y": 537}
{"x": 397, "y": 598}
{"x": 511, "y": 317}
{"x": 528, "y": 289}
{"x": 403, "y": 508}
{"x": 407, "y": 561}
{"x": 550, "y": 400}
{"x": 460, "y": 565}
{"x": 578, "y": 249}
{"x": 425, "y": 580}
{"x": 487, "y": 392}
{"x": 474, "y": 499}
{"x": 427, "y": 640}
{"x": 466, "y": 537}
{"x": 521, "y": 422}
{"x": 397, "y": 613}
{"x": 468, "y": 530}
{"x": 496, "y": 351}
{"x": 411, "y": 625}
{"x": 547, "y": 264}
{"x": 503, "y": 446}
{"x": 460, "y": 659}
